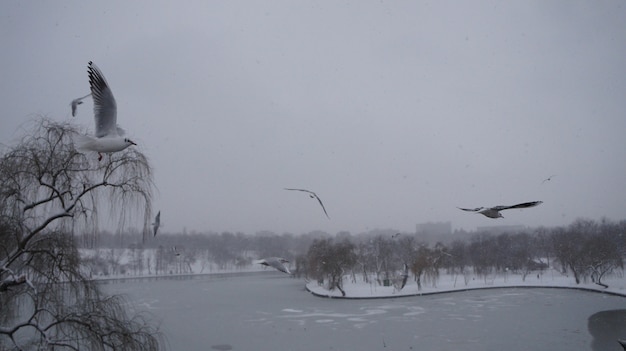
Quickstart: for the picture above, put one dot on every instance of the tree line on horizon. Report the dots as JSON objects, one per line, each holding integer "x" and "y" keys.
{"x": 586, "y": 249}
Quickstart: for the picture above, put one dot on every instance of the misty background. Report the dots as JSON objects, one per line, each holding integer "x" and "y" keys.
{"x": 394, "y": 113}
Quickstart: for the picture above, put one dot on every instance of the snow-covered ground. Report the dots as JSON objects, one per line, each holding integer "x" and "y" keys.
{"x": 447, "y": 283}
{"x": 122, "y": 263}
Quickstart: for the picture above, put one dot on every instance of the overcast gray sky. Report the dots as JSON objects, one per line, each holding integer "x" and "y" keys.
{"x": 395, "y": 113}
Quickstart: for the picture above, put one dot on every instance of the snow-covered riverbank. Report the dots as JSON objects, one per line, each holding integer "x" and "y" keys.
{"x": 450, "y": 283}
{"x": 125, "y": 263}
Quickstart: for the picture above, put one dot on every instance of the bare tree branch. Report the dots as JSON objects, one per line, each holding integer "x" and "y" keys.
{"x": 45, "y": 186}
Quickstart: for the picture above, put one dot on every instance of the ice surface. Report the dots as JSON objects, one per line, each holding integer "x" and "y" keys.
{"x": 269, "y": 311}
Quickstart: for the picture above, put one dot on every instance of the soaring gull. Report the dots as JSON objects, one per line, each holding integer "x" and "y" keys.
{"x": 275, "y": 262}
{"x": 77, "y": 102}
{"x": 494, "y": 212}
{"x": 549, "y": 178}
{"x": 157, "y": 223}
{"x": 109, "y": 136}
{"x": 312, "y": 195}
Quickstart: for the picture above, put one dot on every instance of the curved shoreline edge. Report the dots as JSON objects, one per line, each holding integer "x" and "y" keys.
{"x": 580, "y": 288}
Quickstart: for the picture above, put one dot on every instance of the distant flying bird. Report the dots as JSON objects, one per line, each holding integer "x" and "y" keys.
{"x": 109, "y": 136}
{"x": 549, "y": 178}
{"x": 494, "y": 212}
{"x": 77, "y": 102}
{"x": 157, "y": 223}
{"x": 395, "y": 235}
{"x": 312, "y": 195}
{"x": 275, "y": 262}
{"x": 174, "y": 251}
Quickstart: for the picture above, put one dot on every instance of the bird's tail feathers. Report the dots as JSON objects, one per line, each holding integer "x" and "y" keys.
{"x": 83, "y": 142}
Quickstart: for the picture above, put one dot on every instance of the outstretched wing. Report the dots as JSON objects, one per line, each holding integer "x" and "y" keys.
{"x": 522, "y": 205}
{"x": 278, "y": 265}
{"x": 304, "y": 190}
{"x": 104, "y": 106}
{"x": 77, "y": 102}
{"x": 312, "y": 194}
{"x": 321, "y": 204}
{"x": 471, "y": 209}
{"x": 157, "y": 223}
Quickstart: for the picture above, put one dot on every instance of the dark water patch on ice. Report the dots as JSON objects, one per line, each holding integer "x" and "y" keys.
{"x": 606, "y": 327}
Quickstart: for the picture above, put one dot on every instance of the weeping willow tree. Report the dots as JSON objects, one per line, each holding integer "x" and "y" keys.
{"x": 48, "y": 191}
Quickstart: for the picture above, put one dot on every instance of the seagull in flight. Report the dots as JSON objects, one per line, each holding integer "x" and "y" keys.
{"x": 549, "y": 178}
{"x": 312, "y": 195}
{"x": 109, "y": 137}
{"x": 494, "y": 212}
{"x": 77, "y": 102}
{"x": 275, "y": 262}
{"x": 157, "y": 223}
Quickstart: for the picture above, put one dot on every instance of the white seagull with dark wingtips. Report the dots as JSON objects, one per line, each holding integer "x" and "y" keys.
{"x": 494, "y": 212}
{"x": 109, "y": 136}
{"x": 275, "y": 262}
{"x": 312, "y": 195}
{"x": 77, "y": 102}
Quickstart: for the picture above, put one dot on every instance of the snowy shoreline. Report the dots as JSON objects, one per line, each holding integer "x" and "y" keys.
{"x": 447, "y": 284}
{"x": 354, "y": 286}
{"x": 317, "y": 294}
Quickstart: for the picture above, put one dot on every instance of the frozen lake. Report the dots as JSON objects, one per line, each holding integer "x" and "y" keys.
{"x": 269, "y": 311}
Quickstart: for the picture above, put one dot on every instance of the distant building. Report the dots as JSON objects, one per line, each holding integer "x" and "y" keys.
{"x": 499, "y": 229}
{"x": 434, "y": 228}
